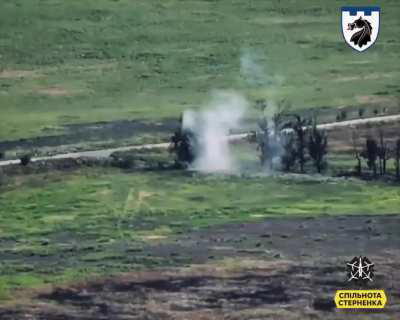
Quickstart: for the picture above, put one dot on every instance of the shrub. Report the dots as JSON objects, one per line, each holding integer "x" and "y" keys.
{"x": 182, "y": 144}
{"x": 25, "y": 159}
{"x": 123, "y": 161}
{"x": 341, "y": 116}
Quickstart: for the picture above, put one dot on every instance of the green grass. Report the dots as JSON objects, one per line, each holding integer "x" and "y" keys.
{"x": 60, "y": 227}
{"x": 105, "y": 60}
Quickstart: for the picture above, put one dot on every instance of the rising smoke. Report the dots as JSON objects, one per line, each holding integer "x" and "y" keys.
{"x": 211, "y": 127}
{"x": 253, "y": 69}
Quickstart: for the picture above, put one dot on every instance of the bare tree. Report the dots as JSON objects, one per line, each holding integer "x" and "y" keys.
{"x": 1, "y": 171}
{"x": 383, "y": 153}
{"x": 370, "y": 153}
{"x": 356, "y": 153}
{"x": 269, "y": 135}
{"x": 264, "y": 143}
{"x": 396, "y": 157}
{"x": 288, "y": 157}
{"x": 317, "y": 146}
{"x": 299, "y": 128}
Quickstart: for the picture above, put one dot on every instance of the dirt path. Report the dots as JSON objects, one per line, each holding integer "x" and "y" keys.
{"x": 99, "y": 154}
{"x": 277, "y": 269}
{"x": 356, "y": 122}
{"x": 105, "y": 153}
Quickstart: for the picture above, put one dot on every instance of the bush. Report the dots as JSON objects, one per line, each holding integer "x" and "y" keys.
{"x": 123, "y": 161}
{"x": 341, "y": 116}
{"x": 182, "y": 144}
{"x": 25, "y": 159}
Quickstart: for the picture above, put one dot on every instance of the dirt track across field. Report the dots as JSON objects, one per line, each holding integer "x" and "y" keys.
{"x": 277, "y": 269}
{"x": 105, "y": 153}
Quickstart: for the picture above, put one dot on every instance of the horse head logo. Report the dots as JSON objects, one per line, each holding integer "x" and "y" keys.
{"x": 363, "y": 36}
{"x": 360, "y": 26}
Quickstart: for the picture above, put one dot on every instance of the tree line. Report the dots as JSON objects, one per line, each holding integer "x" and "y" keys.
{"x": 289, "y": 142}
{"x": 285, "y": 142}
{"x": 376, "y": 153}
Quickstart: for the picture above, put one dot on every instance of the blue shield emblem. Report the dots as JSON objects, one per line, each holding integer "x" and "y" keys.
{"x": 360, "y": 26}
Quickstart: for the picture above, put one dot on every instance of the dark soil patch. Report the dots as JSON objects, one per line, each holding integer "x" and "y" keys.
{"x": 100, "y": 131}
{"x": 285, "y": 278}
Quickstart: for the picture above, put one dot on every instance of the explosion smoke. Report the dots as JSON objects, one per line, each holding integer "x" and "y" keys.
{"x": 211, "y": 128}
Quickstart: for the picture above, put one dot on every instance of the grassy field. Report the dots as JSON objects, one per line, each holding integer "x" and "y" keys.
{"x": 79, "y": 62}
{"x": 64, "y": 62}
{"x": 63, "y": 226}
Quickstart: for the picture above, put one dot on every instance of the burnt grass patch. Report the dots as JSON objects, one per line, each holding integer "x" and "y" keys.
{"x": 99, "y": 131}
{"x": 283, "y": 291}
{"x": 294, "y": 284}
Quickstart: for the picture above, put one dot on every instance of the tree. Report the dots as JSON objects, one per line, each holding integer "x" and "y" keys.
{"x": 356, "y": 153}
{"x": 317, "y": 147}
{"x": 1, "y": 171}
{"x": 288, "y": 158}
{"x": 370, "y": 153}
{"x": 269, "y": 135}
{"x": 265, "y": 144}
{"x": 341, "y": 116}
{"x": 383, "y": 153}
{"x": 396, "y": 157}
{"x": 182, "y": 143}
{"x": 299, "y": 128}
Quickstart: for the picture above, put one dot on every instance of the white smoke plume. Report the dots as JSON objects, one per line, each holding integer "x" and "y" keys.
{"x": 253, "y": 69}
{"x": 212, "y": 126}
